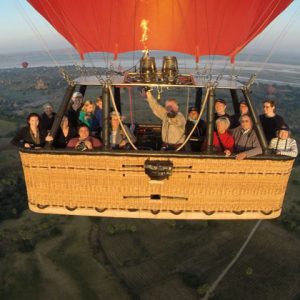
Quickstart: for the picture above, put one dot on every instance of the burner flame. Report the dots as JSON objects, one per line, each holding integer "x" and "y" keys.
{"x": 145, "y": 30}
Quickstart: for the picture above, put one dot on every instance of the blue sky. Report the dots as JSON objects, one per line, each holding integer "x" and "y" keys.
{"x": 18, "y": 36}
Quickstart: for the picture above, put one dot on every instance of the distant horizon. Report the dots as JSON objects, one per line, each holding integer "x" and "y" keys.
{"x": 22, "y": 27}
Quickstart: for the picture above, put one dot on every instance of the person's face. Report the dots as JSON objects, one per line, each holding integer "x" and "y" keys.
{"x": 194, "y": 115}
{"x": 48, "y": 110}
{"x": 89, "y": 108}
{"x": 283, "y": 134}
{"x": 99, "y": 104}
{"x": 114, "y": 122}
{"x": 83, "y": 133}
{"x": 268, "y": 109}
{"x": 222, "y": 127}
{"x": 243, "y": 108}
{"x": 77, "y": 100}
{"x": 33, "y": 122}
{"x": 64, "y": 122}
{"x": 246, "y": 123}
{"x": 220, "y": 108}
{"x": 171, "y": 105}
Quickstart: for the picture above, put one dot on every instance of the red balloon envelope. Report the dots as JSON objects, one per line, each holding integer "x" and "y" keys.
{"x": 197, "y": 27}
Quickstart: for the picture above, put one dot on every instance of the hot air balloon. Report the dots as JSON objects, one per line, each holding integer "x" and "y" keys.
{"x": 154, "y": 184}
{"x": 25, "y": 64}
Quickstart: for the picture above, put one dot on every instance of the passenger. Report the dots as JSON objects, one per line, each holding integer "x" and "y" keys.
{"x": 47, "y": 117}
{"x": 118, "y": 139}
{"x": 246, "y": 141}
{"x": 84, "y": 141}
{"x": 243, "y": 110}
{"x": 173, "y": 121}
{"x": 75, "y": 108}
{"x": 97, "y": 125}
{"x": 223, "y": 140}
{"x": 198, "y": 135}
{"x": 270, "y": 121}
{"x": 220, "y": 108}
{"x": 30, "y": 136}
{"x": 86, "y": 115}
{"x": 65, "y": 133}
{"x": 284, "y": 144}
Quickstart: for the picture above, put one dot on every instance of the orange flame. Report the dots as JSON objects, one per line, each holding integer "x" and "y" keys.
{"x": 144, "y": 25}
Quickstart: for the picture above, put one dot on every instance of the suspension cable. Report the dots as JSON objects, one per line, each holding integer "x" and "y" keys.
{"x": 29, "y": 22}
{"x": 198, "y": 120}
{"x": 187, "y": 103}
{"x": 233, "y": 261}
{"x": 280, "y": 37}
{"x": 282, "y": 34}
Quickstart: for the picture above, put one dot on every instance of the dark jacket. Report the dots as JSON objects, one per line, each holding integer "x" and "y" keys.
{"x": 198, "y": 136}
{"x": 73, "y": 116}
{"x": 46, "y": 122}
{"x": 271, "y": 125}
{"x": 61, "y": 141}
{"x": 23, "y": 136}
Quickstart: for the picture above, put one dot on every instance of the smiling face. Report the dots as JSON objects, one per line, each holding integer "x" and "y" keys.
{"x": 246, "y": 122}
{"x": 48, "y": 110}
{"x": 222, "y": 127}
{"x": 114, "y": 122}
{"x": 269, "y": 109}
{"x": 220, "y": 108}
{"x": 89, "y": 108}
{"x": 33, "y": 122}
{"x": 283, "y": 134}
{"x": 83, "y": 132}
{"x": 77, "y": 100}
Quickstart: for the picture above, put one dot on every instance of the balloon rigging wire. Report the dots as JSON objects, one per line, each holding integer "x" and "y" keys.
{"x": 34, "y": 29}
{"x": 275, "y": 44}
{"x": 233, "y": 261}
{"x": 281, "y": 36}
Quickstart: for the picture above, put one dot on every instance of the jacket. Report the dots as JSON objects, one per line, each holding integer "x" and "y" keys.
{"x": 286, "y": 147}
{"x": 24, "y": 136}
{"x": 173, "y": 129}
{"x": 246, "y": 142}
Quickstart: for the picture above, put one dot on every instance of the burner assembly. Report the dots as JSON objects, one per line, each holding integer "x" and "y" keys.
{"x": 169, "y": 73}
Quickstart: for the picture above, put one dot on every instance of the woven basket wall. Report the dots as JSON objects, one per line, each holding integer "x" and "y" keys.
{"x": 85, "y": 184}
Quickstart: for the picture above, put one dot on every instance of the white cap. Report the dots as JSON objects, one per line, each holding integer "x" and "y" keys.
{"x": 76, "y": 94}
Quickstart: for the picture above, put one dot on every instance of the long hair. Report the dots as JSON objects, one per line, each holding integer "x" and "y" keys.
{"x": 86, "y": 104}
{"x": 33, "y": 115}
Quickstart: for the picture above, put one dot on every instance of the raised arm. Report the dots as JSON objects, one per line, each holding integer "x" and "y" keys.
{"x": 156, "y": 108}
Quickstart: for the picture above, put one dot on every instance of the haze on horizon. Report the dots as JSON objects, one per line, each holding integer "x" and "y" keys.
{"x": 20, "y": 35}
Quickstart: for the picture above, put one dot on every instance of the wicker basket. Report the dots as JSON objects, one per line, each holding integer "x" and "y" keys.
{"x": 116, "y": 185}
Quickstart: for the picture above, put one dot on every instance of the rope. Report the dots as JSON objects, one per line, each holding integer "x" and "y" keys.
{"x": 130, "y": 106}
{"x": 222, "y": 275}
{"x": 187, "y": 103}
{"x": 119, "y": 118}
{"x": 198, "y": 120}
